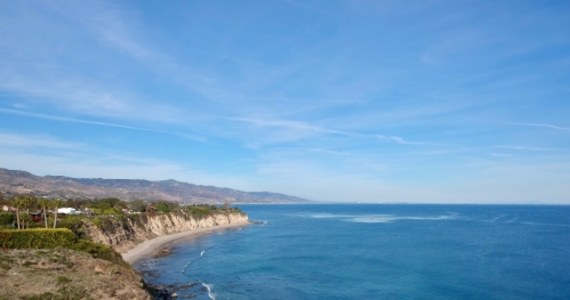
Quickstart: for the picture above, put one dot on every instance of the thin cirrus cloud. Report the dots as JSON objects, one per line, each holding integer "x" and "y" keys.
{"x": 111, "y": 24}
{"x": 71, "y": 88}
{"x": 99, "y": 123}
{"x": 523, "y": 148}
{"x": 69, "y": 92}
{"x": 540, "y": 125}
{"x": 18, "y": 141}
{"x": 51, "y": 155}
{"x": 305, "y": 130}
{"x": 122, "y": 29}
{"x": 73, "y": 160}
{"x": 326, "y": 98}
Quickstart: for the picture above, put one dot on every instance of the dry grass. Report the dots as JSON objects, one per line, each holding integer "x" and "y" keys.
{"x": 65, "y": 274}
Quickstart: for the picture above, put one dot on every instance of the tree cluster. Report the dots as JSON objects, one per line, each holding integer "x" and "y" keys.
{"x": 26, "y": 207}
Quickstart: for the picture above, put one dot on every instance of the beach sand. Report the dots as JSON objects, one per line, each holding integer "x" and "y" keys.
{"x": 148, "y": 247}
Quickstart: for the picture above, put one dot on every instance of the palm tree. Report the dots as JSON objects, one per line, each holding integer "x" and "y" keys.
{"x": 56, "y": 203}
{"x": 31, "y": 203}
{"x": 44, "y": 203}
{"x": 22, "y": 202}
{"x": 17, "y": 203}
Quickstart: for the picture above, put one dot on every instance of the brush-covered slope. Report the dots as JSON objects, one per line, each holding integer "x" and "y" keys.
{"x": 21, "y": 182}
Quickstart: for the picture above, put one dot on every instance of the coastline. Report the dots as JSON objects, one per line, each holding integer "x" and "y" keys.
{"x": 149, "y": 247}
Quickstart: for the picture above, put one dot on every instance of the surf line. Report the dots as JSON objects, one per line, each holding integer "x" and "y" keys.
{"x": 186, "y": 267}
{"x": 210, "y": 294}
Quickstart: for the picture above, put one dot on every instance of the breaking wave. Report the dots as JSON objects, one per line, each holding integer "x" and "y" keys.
{"x": 209, "y": 287}
{"x": 392, "y": 218}
{"x": 259, "y": 223}
{"x": 380, "y": 218}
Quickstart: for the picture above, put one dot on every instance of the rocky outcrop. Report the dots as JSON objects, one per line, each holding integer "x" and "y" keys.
{"x": 125, "y": 234}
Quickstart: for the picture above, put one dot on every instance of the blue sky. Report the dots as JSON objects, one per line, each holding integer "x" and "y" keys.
{"x": 372, "y": 101}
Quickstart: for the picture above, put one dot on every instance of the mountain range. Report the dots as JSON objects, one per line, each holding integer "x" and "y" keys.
{"x": 21, "y": 182}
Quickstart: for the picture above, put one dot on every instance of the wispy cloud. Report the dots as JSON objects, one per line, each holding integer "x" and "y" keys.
{"x": 17, "y": 140}
{"x": 541, "y": 125}
{"x": 63, "y": 69}
{"x": 81, "y": 164}
{"x": 71, "y": 93}
{"x": 333, "y": 109}
{"x": 397, "y": 140}
{"x": 49, "y": 155}
{"x": 113, "y": 24}
{"x": 330, "y": 152}
{"x": 293, "y": 125}
{"x": 304, "y": 130}
{"x": 97, "y": 123}
{"x": 523, "y": 148}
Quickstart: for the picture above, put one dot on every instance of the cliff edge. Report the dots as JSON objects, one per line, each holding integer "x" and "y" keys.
{"x": 124, "y": 234}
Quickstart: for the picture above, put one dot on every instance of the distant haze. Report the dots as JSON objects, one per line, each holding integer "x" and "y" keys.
{"x": 366, "y": 101}
{"x": 15, "y": 182}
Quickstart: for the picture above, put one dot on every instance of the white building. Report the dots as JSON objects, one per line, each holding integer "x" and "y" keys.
{"x": 68, "y": 211}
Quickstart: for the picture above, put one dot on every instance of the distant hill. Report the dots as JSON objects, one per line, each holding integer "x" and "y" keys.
{"x": 19, "y": 182}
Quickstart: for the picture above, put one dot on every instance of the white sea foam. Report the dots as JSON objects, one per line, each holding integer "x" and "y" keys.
{"x": 186, "y": 266}
{"x": 545, "y": 224}
{"x": 392, "y": 218}
{"x": 497, "y": 218}
{"x": 327, "y": 216}
{"x": 373, "y": 219}
{"x": 379, "y": 218}
{"x": 209, "y": 287}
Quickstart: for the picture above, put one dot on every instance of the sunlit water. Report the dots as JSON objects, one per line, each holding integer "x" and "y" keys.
{"x": 377, "y": 252}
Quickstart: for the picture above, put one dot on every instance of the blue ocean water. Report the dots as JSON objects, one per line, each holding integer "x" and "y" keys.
{"x": 377, "y": 252}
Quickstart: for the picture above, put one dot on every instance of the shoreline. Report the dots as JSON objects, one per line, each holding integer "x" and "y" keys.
{"x": 149, "y": 247}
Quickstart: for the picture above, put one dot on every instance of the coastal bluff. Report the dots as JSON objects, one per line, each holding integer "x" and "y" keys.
{"x": 96, "y": 263}
{"x": 126, "y": 233}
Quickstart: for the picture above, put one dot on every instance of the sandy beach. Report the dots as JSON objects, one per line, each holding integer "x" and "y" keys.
{"x": 150, "y": 246}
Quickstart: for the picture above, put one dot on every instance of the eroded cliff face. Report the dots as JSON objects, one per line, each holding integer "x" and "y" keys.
{"x": 124, "y": 235}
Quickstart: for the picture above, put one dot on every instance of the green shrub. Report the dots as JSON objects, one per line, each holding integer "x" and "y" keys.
{"x": 36, "y": 238}
{"x": 73, "y": 223}
{"x": 106, "y": 204}
{"x": 43, "y": 296}
{"x": 163, "y": 207}
{"x": 97, "y": 250}
{"x": 138, "y": 220}
{"x": 72, "y": 292}
{"x": 63, "y": 280}
{"x": 7, "y": 218}
{"x": 105, "y": 224}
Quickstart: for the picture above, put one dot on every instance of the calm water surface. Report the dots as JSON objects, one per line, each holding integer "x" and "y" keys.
{"x": 377, "y": 252}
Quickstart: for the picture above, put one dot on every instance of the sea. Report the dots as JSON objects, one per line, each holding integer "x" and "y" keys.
{"x": 371, "y": 251}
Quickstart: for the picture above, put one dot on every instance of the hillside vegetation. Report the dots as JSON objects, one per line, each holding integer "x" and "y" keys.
{"x": 14, "y": 182}
{"x": 50, "y": 255}
{"x": 63, "y": 274}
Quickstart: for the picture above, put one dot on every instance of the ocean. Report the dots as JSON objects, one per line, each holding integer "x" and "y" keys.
{"x": 376, "y": 252}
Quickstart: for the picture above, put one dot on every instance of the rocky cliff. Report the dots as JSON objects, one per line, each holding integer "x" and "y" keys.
{"x": 125, "y": 234}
